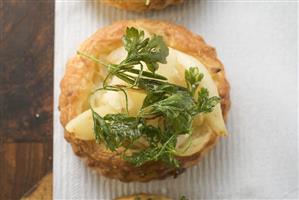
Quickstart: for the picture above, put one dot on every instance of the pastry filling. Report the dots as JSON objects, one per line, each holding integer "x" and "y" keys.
{"x": 155, "y": 103}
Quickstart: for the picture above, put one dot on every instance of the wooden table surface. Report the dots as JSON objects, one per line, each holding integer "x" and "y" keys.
{"x": 26, "y": 94}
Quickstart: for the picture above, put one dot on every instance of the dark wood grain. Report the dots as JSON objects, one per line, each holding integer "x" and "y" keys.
{"x": 26, "y": 94}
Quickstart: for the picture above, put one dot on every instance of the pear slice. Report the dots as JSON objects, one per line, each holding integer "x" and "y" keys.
{"x": 82, "y": 125}
{"x": 111, "y": 103}
{"x": 188, "y": 145}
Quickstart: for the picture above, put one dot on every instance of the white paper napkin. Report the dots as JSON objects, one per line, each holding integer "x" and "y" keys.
{"x": 257, "y": 42}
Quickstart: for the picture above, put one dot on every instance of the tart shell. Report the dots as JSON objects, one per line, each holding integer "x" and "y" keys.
{"x": 81, "y": 78}
{"x": 143, "y": 197}
{"x": 140, "y": 5}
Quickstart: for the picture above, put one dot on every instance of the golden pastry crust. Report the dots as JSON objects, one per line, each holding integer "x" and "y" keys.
{"x": 82, "y": 75}
{"x": 140, "y": 5}
{"x": 143, "y": 197}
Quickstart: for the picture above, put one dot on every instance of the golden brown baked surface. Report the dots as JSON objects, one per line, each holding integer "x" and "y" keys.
{"x": 41, "y": 191}
{"x": 82, "y": 75}
{"x": 141, "y": 5}
{"x": 143, "y": 197}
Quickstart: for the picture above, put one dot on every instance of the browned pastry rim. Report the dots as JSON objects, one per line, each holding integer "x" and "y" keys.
{"x": 140, "y": 5}
{"x": 82, "y": 74}
{"x": 143, "y": 197}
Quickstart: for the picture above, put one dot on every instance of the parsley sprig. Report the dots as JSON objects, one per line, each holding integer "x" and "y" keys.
{"x": 173, "y": 106}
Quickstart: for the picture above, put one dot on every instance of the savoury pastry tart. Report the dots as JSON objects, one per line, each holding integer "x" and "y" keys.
{"x": 83, "y": 76}
{"x": 143, "y": 197}
{"x": 141, "y": 5}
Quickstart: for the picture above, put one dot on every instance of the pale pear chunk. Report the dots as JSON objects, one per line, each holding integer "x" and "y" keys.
{"x": 110, "y": 103}
{"x": 82, "y": 125}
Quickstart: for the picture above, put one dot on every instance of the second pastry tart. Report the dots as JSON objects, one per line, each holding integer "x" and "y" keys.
{"x": 143, "y": 100}
{"x": 142, "y": 5}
